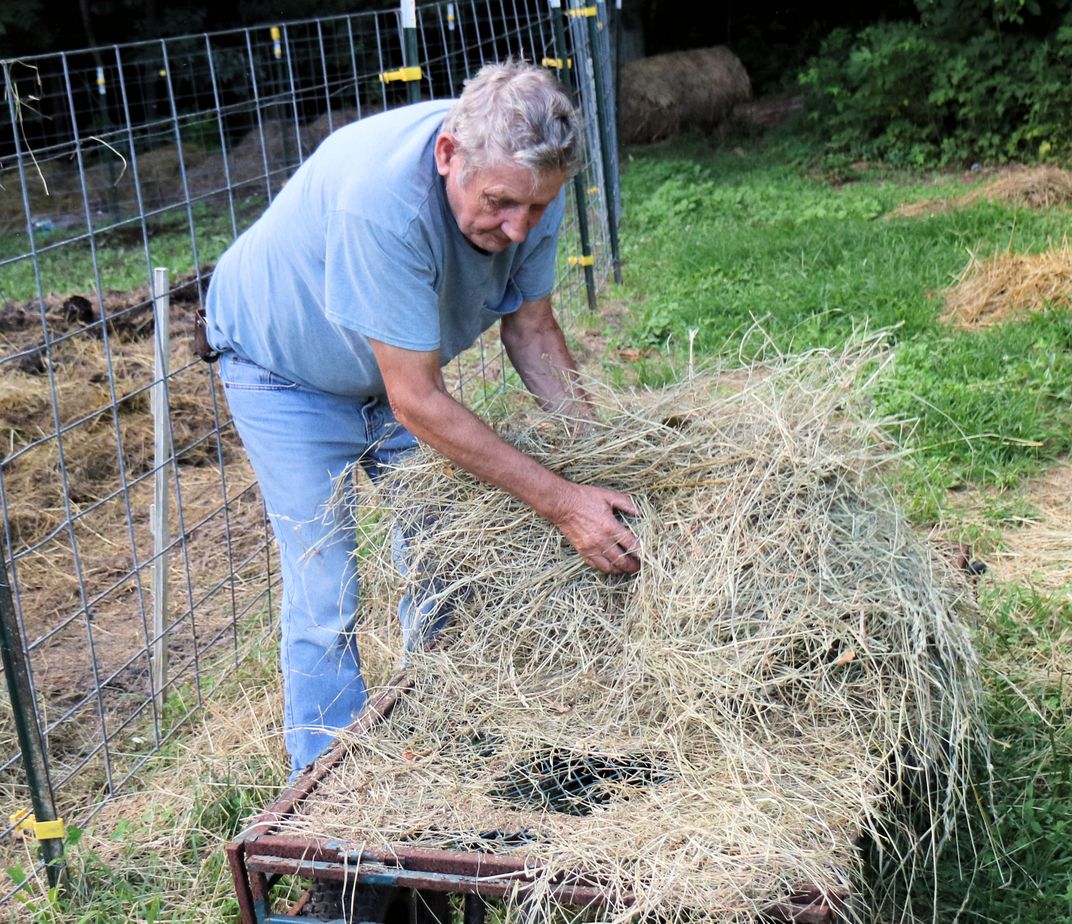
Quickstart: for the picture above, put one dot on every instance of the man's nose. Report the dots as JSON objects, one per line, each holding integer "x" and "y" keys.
{"x": 516, "y": 227}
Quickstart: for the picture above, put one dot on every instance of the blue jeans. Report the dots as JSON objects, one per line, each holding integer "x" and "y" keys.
{"x": 299, "y": 440}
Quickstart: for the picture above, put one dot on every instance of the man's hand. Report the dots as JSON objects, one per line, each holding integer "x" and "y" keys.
{"x": 584, "y": 514}
{"x": 587, "y": 519}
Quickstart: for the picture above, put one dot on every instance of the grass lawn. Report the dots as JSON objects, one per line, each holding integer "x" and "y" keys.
{"x": 747, "y": 250}
{"x": 719, "y": 241}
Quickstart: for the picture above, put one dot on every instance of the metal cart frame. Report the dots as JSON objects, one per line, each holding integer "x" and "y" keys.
{"x": 425, "y": 877}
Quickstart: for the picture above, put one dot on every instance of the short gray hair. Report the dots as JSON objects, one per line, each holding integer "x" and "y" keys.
{"x": 513, "y": 112}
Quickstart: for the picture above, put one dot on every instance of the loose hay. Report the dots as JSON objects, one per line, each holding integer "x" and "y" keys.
{"x": 721, "y": 728}
{"x": 1034, "y": 187}
{"x": 994, "y": 289}
{"x": 1031, "y": 187}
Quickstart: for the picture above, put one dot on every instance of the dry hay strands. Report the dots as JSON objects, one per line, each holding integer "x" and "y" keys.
{"x": 680, "y": 91}
{"x": 1032, "y": 187}
{"x": 715, "y": 730}
{"x": 922, "y": 209}
{"x": 1041, "y": 187}
{"x": 995, "y": 289}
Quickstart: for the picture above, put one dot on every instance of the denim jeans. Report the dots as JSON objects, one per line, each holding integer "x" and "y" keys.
{"x": 299, "y": 440}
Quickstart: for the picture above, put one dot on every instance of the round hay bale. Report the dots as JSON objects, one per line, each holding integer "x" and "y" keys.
{"x": 317, "y": 130}
{"x": 664, "y": 95}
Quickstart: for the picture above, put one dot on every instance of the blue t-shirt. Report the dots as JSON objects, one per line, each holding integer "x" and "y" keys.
{"x": 361, "y": 243}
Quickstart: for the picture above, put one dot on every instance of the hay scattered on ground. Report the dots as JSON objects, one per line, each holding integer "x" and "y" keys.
{"x": 1041, "y": 187}
{"x": 1040, "y": 550}
{"x": 714, "y": 732}
{"x": 922, "y": 209}
{"x": 664, "y": 95}
{"x": 1034, "y": 187}
{"x": 994, "y": 289}
{"x": 1035, "y": 545}
{"x": 77, "y": 515}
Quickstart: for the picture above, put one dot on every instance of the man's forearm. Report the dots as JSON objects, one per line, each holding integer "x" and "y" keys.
{"x": 585, "y": 514}
{"x": 538, "y": 351}
{"x": 453, "y": 430}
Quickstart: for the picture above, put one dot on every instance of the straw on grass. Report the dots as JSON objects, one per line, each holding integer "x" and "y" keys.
{"x": 712, "y": 733}
{"x": 994, "y": 289}
{"x": 1040, "y": 187}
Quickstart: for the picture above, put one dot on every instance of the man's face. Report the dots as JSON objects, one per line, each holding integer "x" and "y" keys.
{"x": 497, "y": 206}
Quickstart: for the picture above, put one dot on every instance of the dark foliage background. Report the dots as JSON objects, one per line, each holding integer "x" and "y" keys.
{"x": 909, "y": 82}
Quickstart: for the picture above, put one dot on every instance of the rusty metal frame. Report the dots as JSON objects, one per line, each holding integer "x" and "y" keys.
{"x": 259, "y": 855}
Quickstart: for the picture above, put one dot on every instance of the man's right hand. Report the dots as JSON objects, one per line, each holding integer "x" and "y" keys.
{"x": 584, "y": 514}
{"x": 586, "y": 517}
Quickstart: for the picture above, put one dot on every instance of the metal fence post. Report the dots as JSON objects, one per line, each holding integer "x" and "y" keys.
{"x": 158, "y": 512}
{"x": 604, "y": 112}
{"x": 277, "y": 85}
{"x": 409, "y": 50}
{"x": 28, "y": 728}
{"x": 580, "y": 195}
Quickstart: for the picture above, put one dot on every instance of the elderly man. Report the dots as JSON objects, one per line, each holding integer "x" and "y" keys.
{"x": 401, "y": 239}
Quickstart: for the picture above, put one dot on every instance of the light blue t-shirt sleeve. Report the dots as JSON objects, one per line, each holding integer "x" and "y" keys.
{"x": 380, "y": 284}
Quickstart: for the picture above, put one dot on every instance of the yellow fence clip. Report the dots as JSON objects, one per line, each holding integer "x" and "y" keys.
{"x": 404, "y": 74}
{"x": 277, "y": 45}
{"x": 582, "y": 11}
{"x": 592, "y": 190}
{"x": 581, "y": 261}
{"x": 556, "y": 62}
{"x": 26, "y": 825}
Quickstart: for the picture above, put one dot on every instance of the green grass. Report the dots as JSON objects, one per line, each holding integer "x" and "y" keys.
{"x": 118, "y": 254}
{"x": 716, "y": 242}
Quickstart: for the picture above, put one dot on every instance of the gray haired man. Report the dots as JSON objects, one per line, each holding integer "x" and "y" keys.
{"x": 401, "y": 239}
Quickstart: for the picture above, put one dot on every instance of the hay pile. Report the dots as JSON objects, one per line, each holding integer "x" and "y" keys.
{"x": 1041, "y": 187}
{"x": 996, "y": 288}
{"x": 720, "y": 729}
{"x": 693, "y": 90}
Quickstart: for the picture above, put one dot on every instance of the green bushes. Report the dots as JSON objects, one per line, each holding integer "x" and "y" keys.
{"x": 981, "y": 81}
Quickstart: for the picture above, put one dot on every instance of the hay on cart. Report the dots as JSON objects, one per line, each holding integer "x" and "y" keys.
{"x": 708, "y": 735}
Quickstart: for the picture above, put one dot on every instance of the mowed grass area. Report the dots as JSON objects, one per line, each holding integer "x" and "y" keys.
{"x": 750, "y": 249}
{"x": 747, "y": 251}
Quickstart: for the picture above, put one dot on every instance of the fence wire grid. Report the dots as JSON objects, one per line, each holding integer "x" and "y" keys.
{"x": 137, "y": 563}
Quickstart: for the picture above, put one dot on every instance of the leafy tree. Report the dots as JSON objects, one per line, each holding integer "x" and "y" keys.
{"x": 966, "y": 81}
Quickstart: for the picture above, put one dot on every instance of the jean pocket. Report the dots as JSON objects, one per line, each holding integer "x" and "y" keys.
{"x": 240, "y": 373}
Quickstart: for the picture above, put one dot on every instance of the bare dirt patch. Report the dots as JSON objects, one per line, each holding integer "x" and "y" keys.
{"x": 76, "y": 381}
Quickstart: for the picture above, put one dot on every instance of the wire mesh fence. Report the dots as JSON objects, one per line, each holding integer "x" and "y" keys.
{"x": 138, "y": 568}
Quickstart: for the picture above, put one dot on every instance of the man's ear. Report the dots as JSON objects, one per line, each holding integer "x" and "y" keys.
{"x": 446, "y": 147}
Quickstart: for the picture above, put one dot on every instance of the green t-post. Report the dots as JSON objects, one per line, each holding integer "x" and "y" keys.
{"x": 27, "y": 727}
{"x": 409, "y": 51}
{"x": 595, "y": 17}
{"x": 580, "y": 195}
